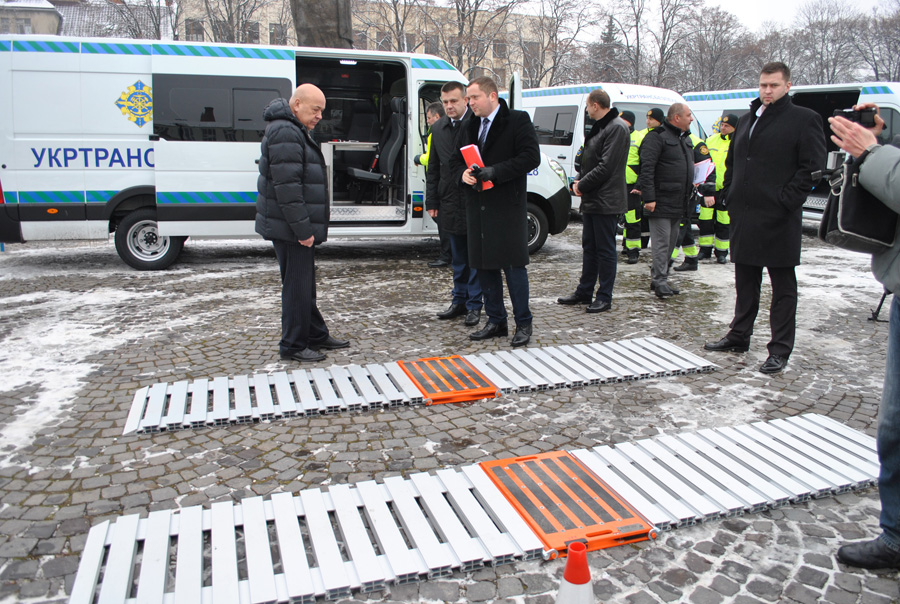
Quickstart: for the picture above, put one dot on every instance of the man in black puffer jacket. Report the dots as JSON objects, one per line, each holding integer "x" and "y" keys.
{"x": 666, "y": 183}
{"x": 601, "y": 185}
{"x": 292, "y": 212}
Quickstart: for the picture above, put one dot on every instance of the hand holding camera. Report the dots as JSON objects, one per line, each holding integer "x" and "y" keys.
{"x": 853, "y": 136}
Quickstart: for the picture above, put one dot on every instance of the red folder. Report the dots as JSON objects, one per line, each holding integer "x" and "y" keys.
{"x": 472, "y": 156}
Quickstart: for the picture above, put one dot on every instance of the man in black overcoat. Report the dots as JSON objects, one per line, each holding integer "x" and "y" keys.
{"x": 444, "y": 203}
{"x": 497, "y": 217}
{"x": 776, "y": 157}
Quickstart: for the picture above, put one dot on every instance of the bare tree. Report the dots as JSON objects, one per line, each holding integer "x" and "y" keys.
{"x": 826, "y": 31}
{"x": 675, "y": 27}
{"x": 466, "y": 29}
{"x": 391, "y": 23}
{"x": 148, "y": 19}
{"x": 548, "y": 40}
{"x": 878, "y": 44}
{"x": 717, "y": 55}
{"x": 630, "y": 20}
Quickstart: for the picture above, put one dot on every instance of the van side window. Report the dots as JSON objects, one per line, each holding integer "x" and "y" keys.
{"x": 555, "y": 125}
{"x": 891, "y": 125}
{"x": 213, "y": 108}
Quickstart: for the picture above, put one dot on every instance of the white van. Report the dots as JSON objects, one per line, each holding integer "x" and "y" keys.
{"x": 708, "y": 107}
{"x": 560, "y": 116}
{"x": 158, "y": 141}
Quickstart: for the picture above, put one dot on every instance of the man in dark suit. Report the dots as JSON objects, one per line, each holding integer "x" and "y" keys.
{"x": 776, "y": 157}
{"x": 497, "y": 218}
{"x": 445, "y": 204}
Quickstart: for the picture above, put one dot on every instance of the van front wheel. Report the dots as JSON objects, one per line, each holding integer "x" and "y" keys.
{"x": 140, "y": 245}
{"x": 538, "y": 228}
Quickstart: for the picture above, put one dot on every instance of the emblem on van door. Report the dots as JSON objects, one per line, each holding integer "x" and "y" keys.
{"x": 136, "y": 103}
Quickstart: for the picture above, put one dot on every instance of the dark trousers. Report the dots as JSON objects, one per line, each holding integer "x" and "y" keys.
{"x": 492, "y": 286}
{"x": 598, "y": 263}
{"x": 446, "y": 250}
{"x": 301, "y": 322}
{"x": 466, "y": 287}
{"x": 782, "y": 312}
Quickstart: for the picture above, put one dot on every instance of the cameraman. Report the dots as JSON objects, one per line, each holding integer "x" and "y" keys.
{"x": 880, "y": 175}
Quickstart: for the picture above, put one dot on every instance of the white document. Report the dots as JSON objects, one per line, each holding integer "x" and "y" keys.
{"x": 702, "y": 170}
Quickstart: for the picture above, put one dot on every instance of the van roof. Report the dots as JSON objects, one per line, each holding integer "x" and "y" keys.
{"x": 618, "y": 92}
{"x": 64, "y": 44}
{"x": 752, "y": 93}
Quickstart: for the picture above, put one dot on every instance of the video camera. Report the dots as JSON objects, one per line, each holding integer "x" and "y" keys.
{"x": 863, "y": 117}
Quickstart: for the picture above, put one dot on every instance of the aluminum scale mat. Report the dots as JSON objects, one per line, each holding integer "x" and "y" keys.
{"x": 368, "y": 536}
{"x": 226, "y": 400}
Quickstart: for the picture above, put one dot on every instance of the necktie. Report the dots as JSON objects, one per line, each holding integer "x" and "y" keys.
{"x": 484, "y": 130}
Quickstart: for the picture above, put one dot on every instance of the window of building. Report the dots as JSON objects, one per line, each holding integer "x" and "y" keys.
{"x": 193, "y": 30}
{"x": 532, "y": 57}
{"x": 431, "y": 45}
{"x": 500, "y": 50}
{"x": 555, "y": 125}
{"x": 277, "y": 34}
{"x": 361, "y": 41}
{"x": 383, "y": 41}
{"x": 251, "y": 32}
{"x": 5, "y": 26}
{"x": 222, "y": 31}
{"x": 18, "y": 26}
{"x": 410, "y": 40}
{"x": 213, "y": 108}
{"x": 500, "y": 76}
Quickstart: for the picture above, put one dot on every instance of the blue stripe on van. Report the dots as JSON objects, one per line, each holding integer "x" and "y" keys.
{"x": 559, "y": 91}
{"x": 225, "y": 52}
{"x": 44, "y": 46}
{"x": 721, "y": 96}
{"x": 10, "y": 197}
{"x": 99, "y": 196}
{"x": 103, "y": 48}
{"x": 876, "y": 90}
{"x": 5, "y": 46}
{"x": 422, "y": 63}
{"x": 195, "y": 197}
{"x": 51, "y": 196}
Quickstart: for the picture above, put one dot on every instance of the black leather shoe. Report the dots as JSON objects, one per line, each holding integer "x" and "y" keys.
{"x": 598, "y": 306}
{"x": 307, "y": 355}
{"x": 705, "y": 253}
{"x": 664, "y": 291}
{"x": 473, "y": 318}
{"x": 491, "y": 330}
{"x": 575, "y": 298}
{"x": 522, "y": 336}
{"x": 330, "y": 343}
{"x": 722, "y": 258}
{"x": 726, "y": 345}
{"x": 674, "y": 289}
{"x": 453, "y": 311}
{"x": 868, "y": 554}
{"x": 689, "y": 264}
{"x": 773, "y": 364}
{"x": 633, "y": 256}
{"x": 438, "y": 263}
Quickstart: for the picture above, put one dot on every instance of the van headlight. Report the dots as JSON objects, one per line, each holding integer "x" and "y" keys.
{"x": 560, "y": 171}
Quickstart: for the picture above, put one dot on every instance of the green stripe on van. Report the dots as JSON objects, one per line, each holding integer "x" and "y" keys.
{"x": 224, "y": 52}
{"x": 53, "y": 197}
{"x": 10, "y": 197}
{"x": 103, "y": 48}
{"x": 44, "y": 46}
{"x": 422, "y": 63}
{"x": 876, "y": 90}
{"x": 202, "y": 197}
{"x": 5, "y": 46}
{"x": 99, "y": 196}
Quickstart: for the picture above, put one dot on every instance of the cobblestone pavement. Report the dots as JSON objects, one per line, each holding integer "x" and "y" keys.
{"x": 80, "y": 332}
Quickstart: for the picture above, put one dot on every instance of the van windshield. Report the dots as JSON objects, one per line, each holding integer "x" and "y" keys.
{"x": 640, "y": 111}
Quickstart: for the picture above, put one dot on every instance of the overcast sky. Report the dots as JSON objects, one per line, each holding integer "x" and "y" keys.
{"x": 753, "y": 14}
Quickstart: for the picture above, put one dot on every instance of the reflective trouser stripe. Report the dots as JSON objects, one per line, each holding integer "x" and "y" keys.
{"x": 632, "y": 230}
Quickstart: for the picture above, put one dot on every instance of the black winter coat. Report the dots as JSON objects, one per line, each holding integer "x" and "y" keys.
{"x": 602, "y": 173}
{"x": 667, "y": 171}
{"x": 442, "y": 191}
{"x": 292, "y": 188}
{"x": 767, "y": 179}
{"x": 497, "y": 218}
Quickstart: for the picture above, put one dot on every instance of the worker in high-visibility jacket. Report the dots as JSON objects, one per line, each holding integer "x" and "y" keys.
{"x": 704, "y": 195}
{"x": 637, "y": 226}
{"x": 715, "y": 224}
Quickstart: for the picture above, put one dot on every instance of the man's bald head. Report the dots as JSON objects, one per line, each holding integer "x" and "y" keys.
{"x": 308, "y": 103}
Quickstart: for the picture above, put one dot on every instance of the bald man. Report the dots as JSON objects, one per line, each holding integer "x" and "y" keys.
{"x": 292, "y": 211}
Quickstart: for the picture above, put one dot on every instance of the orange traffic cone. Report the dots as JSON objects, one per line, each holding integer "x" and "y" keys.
{"x": 575, "y": 587}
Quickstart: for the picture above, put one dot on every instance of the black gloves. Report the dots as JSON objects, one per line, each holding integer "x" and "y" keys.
{"x": 483, "y": 174}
